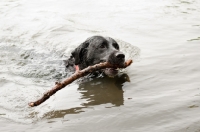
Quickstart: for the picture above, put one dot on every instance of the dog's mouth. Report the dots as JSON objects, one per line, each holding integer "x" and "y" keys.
{"x": 111, "y": 72}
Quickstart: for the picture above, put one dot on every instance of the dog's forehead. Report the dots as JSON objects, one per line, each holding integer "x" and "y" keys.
{"x": 95, "y": 40}
{"x": 110, "y": 40}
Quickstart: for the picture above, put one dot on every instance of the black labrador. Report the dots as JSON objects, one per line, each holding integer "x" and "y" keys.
{"x": 94, "y": 50}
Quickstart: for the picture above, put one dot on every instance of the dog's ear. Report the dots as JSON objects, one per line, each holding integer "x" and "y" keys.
{"x": 79, "y": 51}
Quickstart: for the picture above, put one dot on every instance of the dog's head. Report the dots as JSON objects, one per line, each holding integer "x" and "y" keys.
{"x": 98, "y": 49}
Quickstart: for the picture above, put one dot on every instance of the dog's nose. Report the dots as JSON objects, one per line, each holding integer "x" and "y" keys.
{"x": 116, "y": 57}
{"x": 120, "y": 55}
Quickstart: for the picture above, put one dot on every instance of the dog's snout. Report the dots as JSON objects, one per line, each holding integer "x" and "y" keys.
{"x": 120, "y": 55}
{"x": 116, "y": 58}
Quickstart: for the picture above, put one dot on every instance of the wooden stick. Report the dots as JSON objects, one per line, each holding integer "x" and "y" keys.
{"x": 75, "y": 76}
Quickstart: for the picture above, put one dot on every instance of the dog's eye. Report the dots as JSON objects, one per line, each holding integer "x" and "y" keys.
{"x": 102, "y": 46}
{"x": 116, "y": 46}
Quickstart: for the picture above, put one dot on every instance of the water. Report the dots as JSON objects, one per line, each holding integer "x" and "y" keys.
{"x": 159, "y": 92}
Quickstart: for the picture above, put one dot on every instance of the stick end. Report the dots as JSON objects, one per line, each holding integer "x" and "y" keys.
{"x": 32, "y": 104}
{"x": 128, "y": 62}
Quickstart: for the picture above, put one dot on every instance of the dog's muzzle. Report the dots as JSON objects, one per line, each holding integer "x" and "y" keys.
{"x": 116, "y": 58}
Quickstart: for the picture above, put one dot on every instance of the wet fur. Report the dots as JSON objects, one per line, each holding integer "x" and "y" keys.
{"x": 94, "y": 50}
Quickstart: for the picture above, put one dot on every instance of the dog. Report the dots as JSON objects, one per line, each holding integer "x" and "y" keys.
{"x": 94, "y": 50}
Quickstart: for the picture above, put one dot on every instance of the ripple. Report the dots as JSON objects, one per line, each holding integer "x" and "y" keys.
{"x": 130, "y": 51}
{"x": 195, "y": 39}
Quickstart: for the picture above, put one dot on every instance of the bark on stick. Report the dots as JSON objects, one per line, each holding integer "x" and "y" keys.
{"x": 75, "y": 76}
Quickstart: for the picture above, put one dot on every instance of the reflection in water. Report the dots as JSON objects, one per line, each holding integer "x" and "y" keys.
{"x": 98, "y": 91}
